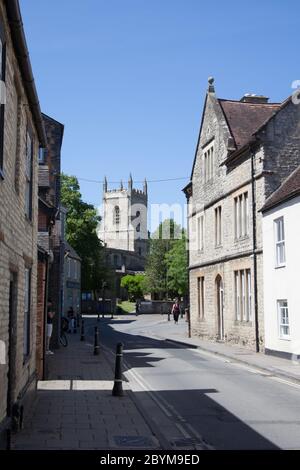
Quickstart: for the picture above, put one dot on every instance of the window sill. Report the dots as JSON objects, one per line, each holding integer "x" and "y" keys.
{"x": 280, "y": 266}
{"x": 243, "y": 323}
{"x": 285, "y": 339}
{"x": 26, "y": 359}
{"x": 29, "y": 221}
{"x": 245, "y": 237}
{"x": 218, "y": 246}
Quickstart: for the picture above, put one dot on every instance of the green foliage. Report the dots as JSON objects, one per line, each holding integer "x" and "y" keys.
{"x": 134, "y": 284}
{"x": 81, "y": 225}
{"x": 161, "y": 276}
{"x": 177, "y": 261}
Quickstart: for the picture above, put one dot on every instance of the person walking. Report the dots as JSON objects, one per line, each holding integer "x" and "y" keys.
{"x": 137, "y": 307}
{"x": 176, "y": 311}
{"x": 50, "y": 316}
{"x": 71, "y": 318}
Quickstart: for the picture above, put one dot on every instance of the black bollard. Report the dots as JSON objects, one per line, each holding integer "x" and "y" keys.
{"x": 169, "y": 316}
{"x": 118, "y": 386}
{"x": 96, "y": 343}
{"x": 82, "y": 330}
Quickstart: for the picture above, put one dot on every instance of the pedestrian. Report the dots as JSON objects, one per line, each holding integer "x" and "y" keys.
{"x": 71, "y": 318}
{"x": 176, "y": 311}
{"x": 137, "y": 307}
{"x": 50, "y": 316}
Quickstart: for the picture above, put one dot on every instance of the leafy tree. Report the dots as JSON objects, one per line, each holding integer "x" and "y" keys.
{"x": 81, "y": 225}
{"x": 177, "y": 263}
{"x": 134, "y": 285}
{"x": 161, "y": 243}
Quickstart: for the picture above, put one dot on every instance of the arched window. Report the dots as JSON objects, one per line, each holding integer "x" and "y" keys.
{"x": 117, "y": 215}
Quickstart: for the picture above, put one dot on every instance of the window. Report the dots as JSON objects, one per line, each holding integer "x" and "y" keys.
{"x": 242, "y": 295}
{"x": 208, "y": 163}
{"x": 26, "y": 326}
{"x": 28, "y": 175}
{"x": 279, "y": 241}
{"x": 200, "y": 294}
{"x": 17, "y": 137}
{"x": 69, "y": 266}
{"x": 241, "y": 216}
{"x": 2, "y": 92}
{"x": 117, "y": 215}
{"x": 200, "y": 232}
{"x": 42, "y": 154}
{"x": 75, "y": 268}
{"x": 218, "y": 226}
{"x": 283, "y": 317}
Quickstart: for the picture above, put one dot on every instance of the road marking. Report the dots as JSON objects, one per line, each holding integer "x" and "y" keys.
{"x": 168, "y": 409}
{"x": 287, "y": 382}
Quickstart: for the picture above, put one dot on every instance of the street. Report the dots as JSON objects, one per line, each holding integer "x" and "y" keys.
{"x": 196, "y": 398}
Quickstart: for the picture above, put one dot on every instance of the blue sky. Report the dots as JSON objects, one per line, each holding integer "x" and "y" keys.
{"x": 128, "y": 77}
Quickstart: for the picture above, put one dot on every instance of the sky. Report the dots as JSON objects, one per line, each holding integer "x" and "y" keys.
{"x": 128, "y": 78}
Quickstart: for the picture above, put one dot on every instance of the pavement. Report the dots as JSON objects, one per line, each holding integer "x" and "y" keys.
{"x": 285, "y": 368}
{"x": 75, "y": 408}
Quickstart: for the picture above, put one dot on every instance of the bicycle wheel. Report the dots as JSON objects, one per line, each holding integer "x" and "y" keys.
{"x": 63, "y": 339}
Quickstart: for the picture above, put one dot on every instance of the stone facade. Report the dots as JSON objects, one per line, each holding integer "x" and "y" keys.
{"x": 22, "y": 136}
{"x": 72, "y": 280}
{"x": 123, "y": 230}
{"x": 49, "y": 265}
{"x": 126, "y": 230}
{"x": 255, "y": 146}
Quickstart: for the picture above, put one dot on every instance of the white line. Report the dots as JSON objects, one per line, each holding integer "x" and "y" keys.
{"x": 287, "y": 382}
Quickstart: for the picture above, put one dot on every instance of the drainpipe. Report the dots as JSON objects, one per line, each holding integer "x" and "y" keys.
{"x": 45, "y": 315}
{"x": 188, "y": 260}
{"x": 254, "y": 250}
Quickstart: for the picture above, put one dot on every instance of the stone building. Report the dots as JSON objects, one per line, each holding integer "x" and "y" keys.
{"x": 123, "y": 229}
{"x": 245, "y": 150}
{"x": 51, "y": 238}
{"x": 50, "y": 265}
{"x": 72, "y": 280}
{"x": 21, "y": 134}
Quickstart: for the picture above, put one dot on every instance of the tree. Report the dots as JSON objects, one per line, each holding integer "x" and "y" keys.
{"x": 134, "y": 285}
{"x": 81, "y": 232}
{"x": 161, "y": 243}
{"x": 177, "y": 264}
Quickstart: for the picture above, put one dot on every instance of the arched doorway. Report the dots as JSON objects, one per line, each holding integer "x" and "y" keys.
{"x": 220, "y": 307}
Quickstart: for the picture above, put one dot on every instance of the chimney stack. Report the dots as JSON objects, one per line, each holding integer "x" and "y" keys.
{"x": 255, "y": 99}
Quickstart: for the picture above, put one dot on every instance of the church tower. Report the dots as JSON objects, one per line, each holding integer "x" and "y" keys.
{"x": 124, "y": 218}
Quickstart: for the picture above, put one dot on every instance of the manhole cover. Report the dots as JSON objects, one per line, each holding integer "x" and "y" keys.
{"x": 133, "y": 441}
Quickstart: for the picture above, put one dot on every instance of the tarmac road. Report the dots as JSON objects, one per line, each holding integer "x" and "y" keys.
{"x": 198, "y": 400}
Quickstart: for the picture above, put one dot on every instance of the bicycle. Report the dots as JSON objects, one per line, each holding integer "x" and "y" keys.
{"x": 64, "y": 327}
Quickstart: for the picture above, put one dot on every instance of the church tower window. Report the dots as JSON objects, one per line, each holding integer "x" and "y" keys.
{"x": 117, "y": 215}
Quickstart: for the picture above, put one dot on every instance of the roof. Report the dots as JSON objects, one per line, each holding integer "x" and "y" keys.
{"x": 22, "y": 55}
{"x": 289, "y": 188}
{"x": 71, "y": 252}
{"x": 244, "y": 118}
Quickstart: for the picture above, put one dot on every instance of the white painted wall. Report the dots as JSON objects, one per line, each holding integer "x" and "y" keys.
{"x": 283, "y": 282}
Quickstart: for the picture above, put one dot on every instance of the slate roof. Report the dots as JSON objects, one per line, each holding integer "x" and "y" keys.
{"x": 288, "y": 189}
{"x": 244, "y": 119}
{"x": 72, "y": 253}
